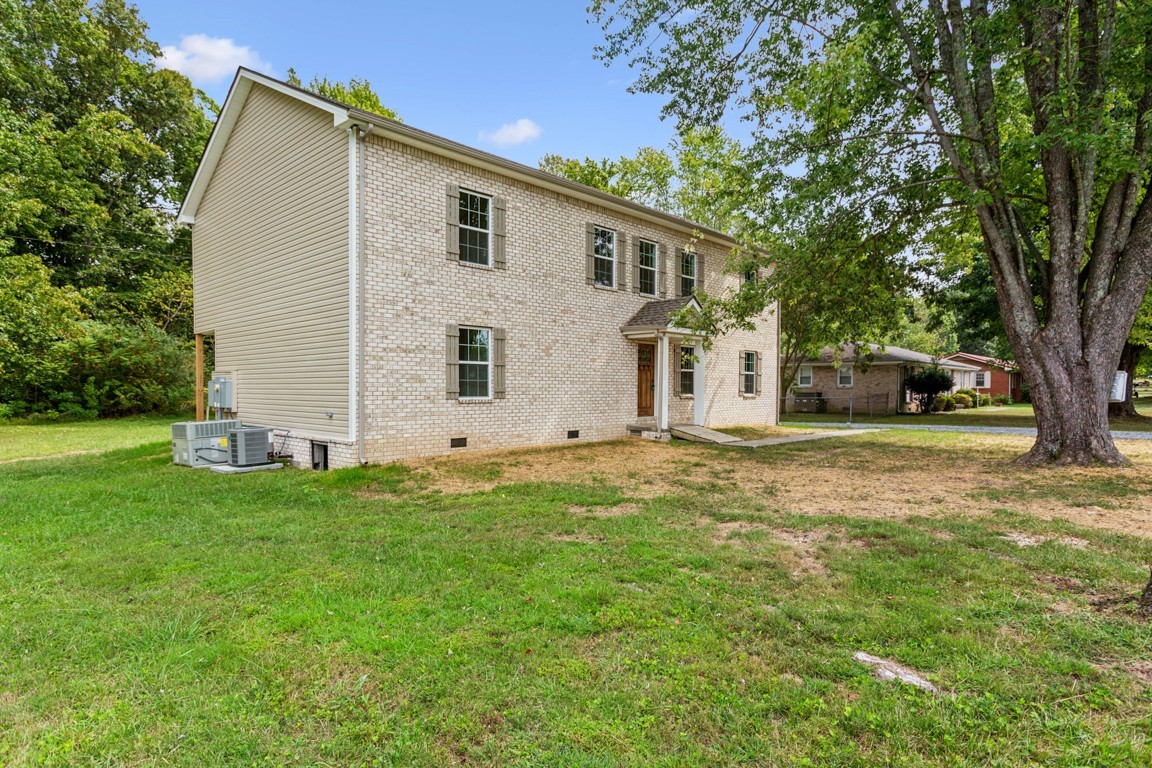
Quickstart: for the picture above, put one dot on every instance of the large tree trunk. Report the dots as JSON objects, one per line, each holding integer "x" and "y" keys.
{"x": 1129, "y": 358}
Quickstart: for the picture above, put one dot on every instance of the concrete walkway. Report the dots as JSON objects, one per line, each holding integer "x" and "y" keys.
{"x": 764, "y": 441}
{"x": 1026, "y": 431}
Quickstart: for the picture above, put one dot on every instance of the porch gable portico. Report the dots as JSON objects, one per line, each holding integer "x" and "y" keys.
{"x": 654, "y": 324}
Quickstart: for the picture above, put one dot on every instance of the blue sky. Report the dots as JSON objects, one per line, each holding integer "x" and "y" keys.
{"x": 514, "y": 77}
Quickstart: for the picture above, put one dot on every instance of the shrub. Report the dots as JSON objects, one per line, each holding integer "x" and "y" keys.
{"x": 962, "y": 400}
{"x": 942, "y": 403}
{"x": 971, "y": 393}
{"x": 926, "y": 384}
{"x": 1001, "y": 400}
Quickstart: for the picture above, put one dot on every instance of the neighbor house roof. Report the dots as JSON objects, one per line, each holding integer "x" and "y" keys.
{"x": 1007, "y": 365}
{"x": 346, "y": 116}
{"x": 884, "y": 355}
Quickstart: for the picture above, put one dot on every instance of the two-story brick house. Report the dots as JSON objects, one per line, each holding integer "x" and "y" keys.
{"x": 383, "y": 293}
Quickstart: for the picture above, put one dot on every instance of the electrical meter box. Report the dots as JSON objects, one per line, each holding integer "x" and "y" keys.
{"x": 1119, "y": 391}
{"x": 221, "y": 393}
{"x": 202, "y": 443}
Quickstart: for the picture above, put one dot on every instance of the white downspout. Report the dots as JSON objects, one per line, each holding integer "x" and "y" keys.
{"x": 361, "y": 264}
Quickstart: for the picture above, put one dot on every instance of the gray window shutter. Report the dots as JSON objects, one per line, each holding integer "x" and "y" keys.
{"x": 700, "y": 272}
{"x": 676, "y": 363}
{"x": 499, "y": 232}
{"x": 635, "y": 265}
{"x": 590, "y": 253}
{"x": 740, "y": 372}
{"x": 662, "y": 265}
{"x": 452, "y": 362}
{"x": 499, "y": 337}
{"x": 758, "y": 372}
{"x": 452, "y": 222}
{"x": 621, "y": 261}
{"x": 678, "y": 272}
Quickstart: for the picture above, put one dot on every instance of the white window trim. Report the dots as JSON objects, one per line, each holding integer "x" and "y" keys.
{"x": 800, "y": 377}
{"x": 487, "y": 365}
{"x": 745, "y": 373}
{"x": 596, "y": 257}
{"x": 487, "y": 232}
{"x": 976, "y": 377}
{"x": 851, "y": 377}
{"x": 681, "y": 274}
{"x": 655, "y": 268}
{"x": 690, "y": 353}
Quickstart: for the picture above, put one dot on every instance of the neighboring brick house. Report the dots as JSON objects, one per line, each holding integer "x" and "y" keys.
{"x": 994, "y": 377}
{"x": 831, "y": 382}
{"x": 376, "y": 292}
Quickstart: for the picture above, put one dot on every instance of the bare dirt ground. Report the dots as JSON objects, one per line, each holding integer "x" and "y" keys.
{"x": 885, "y": 475}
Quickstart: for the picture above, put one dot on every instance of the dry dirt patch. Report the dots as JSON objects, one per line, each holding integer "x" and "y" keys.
{"x": 890, "y": 475}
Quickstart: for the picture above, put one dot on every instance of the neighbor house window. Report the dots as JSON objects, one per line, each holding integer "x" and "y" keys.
{"x": 475, "y": 227}
{"x": 647, "y": 267}
{"x": 748, "y": 385}
{"x": 687, "y": 370}
{"x": 981, "y": 379}
{"x": 687, "y": 273}
{"x": 804, "y": 376}
{"x": 844, "y": 376}
{"x": 475, "y": 362}
{"x": 604, "y": 250}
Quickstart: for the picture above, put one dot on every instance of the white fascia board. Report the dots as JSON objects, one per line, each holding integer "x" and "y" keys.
{"x": 226, "y": 122}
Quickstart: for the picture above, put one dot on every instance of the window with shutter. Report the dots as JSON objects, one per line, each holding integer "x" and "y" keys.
{"x": 499, "y": 342}
{"x": 475, "y": 363}
{"x": 452, "y": 362}
{"x": 687, "y": 373}
{"x": 645, "y": 268}
{"x": 452, "y": 223}
{"x": 499, "y": 232}
{"x": 748, "y": 373}
{"x": 687, "y": 283}
{"x": 475, "y": 228}
{"x": 603, "y": 257}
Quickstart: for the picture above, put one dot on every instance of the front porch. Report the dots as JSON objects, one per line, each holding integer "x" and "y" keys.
{"x": 661, "y": 369}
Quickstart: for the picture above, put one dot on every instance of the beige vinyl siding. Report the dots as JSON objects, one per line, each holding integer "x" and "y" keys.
{"x": 270, "y": 265}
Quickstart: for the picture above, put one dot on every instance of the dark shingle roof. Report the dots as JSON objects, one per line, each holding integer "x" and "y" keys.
{"x": 890, "y": 354}
{"x": 657, "y": 314}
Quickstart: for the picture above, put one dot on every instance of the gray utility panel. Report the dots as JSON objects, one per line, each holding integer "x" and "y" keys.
{"x": 221, "y": 394}
{"x": 201, "y": 443}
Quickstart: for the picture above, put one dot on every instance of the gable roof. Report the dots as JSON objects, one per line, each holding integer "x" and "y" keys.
{"x": 346, "y": 116}
{"x": 1007, "y": 365}
{"x": 658, "y": 313}
{"x": 885, "y": 355}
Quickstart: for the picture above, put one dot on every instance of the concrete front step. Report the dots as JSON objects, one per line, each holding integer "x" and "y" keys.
{"x": 701, "y": 434}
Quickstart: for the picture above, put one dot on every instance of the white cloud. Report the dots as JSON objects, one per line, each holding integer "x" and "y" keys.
{"x": 207, "y": 59}
{"x": 511, "y": 134}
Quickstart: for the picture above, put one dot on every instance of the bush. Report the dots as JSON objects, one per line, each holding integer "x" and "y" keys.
{"x": 1001, "y": 400}
{"x": 926, "y": 384}
{"x": 985, "y": 400}
{"x": 942, "y": 403}
{"x": 962, "y": 400}
{"x": 971, "y": 393}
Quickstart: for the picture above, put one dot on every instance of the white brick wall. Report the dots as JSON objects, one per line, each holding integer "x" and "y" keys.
{"x": 568, "y": 365}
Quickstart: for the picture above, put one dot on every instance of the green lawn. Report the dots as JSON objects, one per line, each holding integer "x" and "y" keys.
{"x": 1017, "y": 415}
{"x": 657, "y": 605}
{"x": 21, "y": 440}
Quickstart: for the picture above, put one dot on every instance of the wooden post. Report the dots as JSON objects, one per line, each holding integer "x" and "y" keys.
{"x": 199, "y": 377}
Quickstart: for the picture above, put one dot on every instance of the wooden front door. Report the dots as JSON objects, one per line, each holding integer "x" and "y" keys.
{"x": 645, "y": 378}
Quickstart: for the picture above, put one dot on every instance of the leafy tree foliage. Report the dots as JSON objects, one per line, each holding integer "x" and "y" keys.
{"x": 1021, "y": 123}
{"x": 926, "y": 384}
{"x": 357, "y": 92}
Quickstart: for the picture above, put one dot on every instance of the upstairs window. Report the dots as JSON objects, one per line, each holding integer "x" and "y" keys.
{"x": 604, "y": 257}
{"x": 475, "y": 362}
{"x": 647, "y": 267}
{"x": 687, "y": 273}
{"x": 475, "y": 228}
{"x": 687, "y": 370}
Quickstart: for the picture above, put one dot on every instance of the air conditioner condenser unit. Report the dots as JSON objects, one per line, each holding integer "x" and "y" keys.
{"x": 249, "y": 446}
{"x": 201, "y": 443}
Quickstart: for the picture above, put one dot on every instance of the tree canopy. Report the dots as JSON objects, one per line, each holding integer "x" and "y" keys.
{"x": 357, "y": 92}
{"x": 909, "y": 126}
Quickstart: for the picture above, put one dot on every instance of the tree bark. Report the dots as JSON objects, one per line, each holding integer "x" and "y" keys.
{"x": 1128, "y": 362}
{"x": 1146, "y": 597}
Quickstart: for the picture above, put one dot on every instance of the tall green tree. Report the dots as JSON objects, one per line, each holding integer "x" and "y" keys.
{"x": 99, "y": 148}
{"x": 357, "y": 92}
{"x": 1028, "y": 118}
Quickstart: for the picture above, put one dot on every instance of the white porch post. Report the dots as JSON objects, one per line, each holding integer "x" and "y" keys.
{"x": 662, "y": 382}
{"x": 700, "y": 395}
